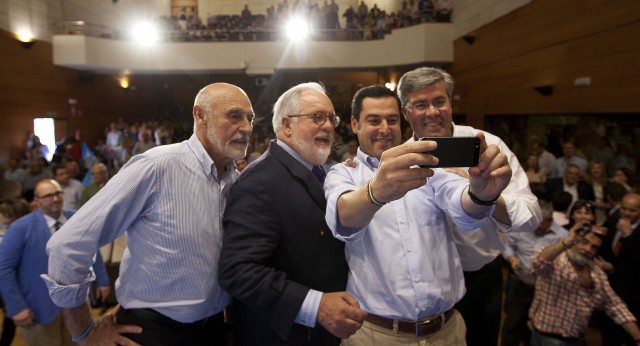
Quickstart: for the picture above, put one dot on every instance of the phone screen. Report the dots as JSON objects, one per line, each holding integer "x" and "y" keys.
{"x": 455, "y": 151}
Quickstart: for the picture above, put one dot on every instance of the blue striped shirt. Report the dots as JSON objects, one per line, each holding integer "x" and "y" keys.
{"x": 169, "y": 202}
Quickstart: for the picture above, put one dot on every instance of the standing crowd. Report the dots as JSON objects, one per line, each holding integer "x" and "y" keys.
{"x": 386, "y": 248}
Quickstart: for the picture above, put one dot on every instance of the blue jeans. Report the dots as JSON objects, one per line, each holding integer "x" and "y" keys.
{"x": 539, "y": 339}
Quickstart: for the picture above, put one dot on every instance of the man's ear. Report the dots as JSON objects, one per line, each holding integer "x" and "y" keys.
{"x": 286, "y": 126}
{"x": 354, "y": 125}
{"x": 199, "y": 114}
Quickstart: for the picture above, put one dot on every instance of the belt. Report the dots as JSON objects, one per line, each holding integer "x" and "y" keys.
{"x": 559, "y": 337}
{"x": 423, "y": 327}
{"x": 154, "y": 316}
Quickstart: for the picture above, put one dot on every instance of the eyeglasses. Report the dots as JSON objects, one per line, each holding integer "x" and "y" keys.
{"x": 422, "y": 106}
{"x": 320, "y": 118}
{"x": 51, "y": 195}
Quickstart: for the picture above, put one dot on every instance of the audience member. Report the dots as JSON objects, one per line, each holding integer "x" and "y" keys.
{"x": 35, "y": 174}
{"x": 622, "y": 176}
{"x": 581, "y": 212}
{"x": 99, "y": 177}
{"x": 535, "y": 173}
{"x": 596, "y": 177}
{"x": 620, "y": 258}
{"x": 10, "y": 210}
{"x": 569, "y": 287}
{"x": 561, "y": 202}
{"x": 169, "y": 202}
{"x": 145, "y": 143}
{"x": 572, "y": 183}
{"x": 545, "y": 158}
{"x": 71, "y": 188}
{"x": 280, "y": 262}
{"x": 615, "y": 192}
{"x": 426, "y": 95}
{"x": 519, "y": 250}
{"x": 23, "y": 259}
{"x": 380, "y": 209}
{"x": 14, "y": 170}
{"x": 568, "y": 158}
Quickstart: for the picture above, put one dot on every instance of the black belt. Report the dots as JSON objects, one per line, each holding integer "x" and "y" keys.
{"x": 558, "y": 336}
{"x": 154, "y": 316}
{"x": 423, "y": 327}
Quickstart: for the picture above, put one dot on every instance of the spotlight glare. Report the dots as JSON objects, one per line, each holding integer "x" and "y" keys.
{"x": 24, "y": 35}
{"x": 297, "y": 29}
{"x": 145, "y": 32}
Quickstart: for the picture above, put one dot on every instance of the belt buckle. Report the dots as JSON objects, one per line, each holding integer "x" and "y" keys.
{"x": 428, "y": 321}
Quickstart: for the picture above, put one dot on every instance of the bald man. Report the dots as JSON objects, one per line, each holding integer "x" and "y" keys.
{"x": 99, "y": 176}
{"x": 620, "y": 258}
{"x": 169, "y": 200}
{"x": 23, "y": 259}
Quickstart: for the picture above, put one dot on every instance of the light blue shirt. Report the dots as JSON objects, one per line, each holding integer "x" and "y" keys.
{"x": 561, "y": 165}
{"x": 404, "y": 264}
{"x": 523, "y": 245}
{"x": 170, "y": 203}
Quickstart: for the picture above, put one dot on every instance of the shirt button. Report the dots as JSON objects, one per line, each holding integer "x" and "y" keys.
{"x": 402, "y": 221}
{"x": 416, "y": 279}
{"x": 408, "y": 249}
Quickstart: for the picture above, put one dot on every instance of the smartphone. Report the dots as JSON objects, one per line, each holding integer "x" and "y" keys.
{"x": 455, "y": 151}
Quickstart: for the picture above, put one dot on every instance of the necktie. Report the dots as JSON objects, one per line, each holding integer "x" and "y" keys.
{"x": 617, "y": 246}
{"x": 319, "y": 173}
{"x": 57, "y": 226}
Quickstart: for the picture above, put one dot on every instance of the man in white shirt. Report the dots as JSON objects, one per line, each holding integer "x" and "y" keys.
{"x": 71, "y": 188}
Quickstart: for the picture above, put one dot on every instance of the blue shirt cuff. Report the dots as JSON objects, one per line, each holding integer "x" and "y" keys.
{"x": 309, "y": 309}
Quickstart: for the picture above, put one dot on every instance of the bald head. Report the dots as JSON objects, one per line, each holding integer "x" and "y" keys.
{"x": 223, "y": 121}
{"x": 48, "y": 194}
{"x": 630, "y": 207}
{"x": 99, "y": 173}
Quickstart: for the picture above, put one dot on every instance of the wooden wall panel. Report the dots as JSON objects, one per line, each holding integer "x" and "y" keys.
{"x": 550, "y": 42}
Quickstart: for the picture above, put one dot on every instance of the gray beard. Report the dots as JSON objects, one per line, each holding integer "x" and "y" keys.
{"x": 578, "y": 259}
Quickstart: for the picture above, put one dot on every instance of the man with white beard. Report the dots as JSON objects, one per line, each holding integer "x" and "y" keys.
{"x": 569, "y": 287}
{"x": 279, "y": 260}
{"x": 169, "y": 200}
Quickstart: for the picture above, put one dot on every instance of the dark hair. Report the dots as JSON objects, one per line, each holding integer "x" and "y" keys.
{"x": 14, "y": 208}
{"x": 577, "y": 205}
{"x": 58, "y": 167}
{"x": 615, "y": 191}
{"x": 373, "y": 91}
{"x": 540, "y": 191}
{"x": 561, "y": 201}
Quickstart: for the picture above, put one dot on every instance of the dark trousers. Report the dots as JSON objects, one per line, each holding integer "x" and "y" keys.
{"x": 481, "y": 305}
{"x": 158, "y": 329}
{"x": 8, "y": 332}
{"x": 518, "y": 301}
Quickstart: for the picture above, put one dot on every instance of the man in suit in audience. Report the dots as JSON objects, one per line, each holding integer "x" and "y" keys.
{"x": 620, "y": 258}
{"x": 23, "y": 259}
{"x": 572, "y": 183}
{"x": 279, "y": 260}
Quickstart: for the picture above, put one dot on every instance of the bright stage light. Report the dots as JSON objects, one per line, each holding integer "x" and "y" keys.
{"x": 297, "y": 29}
{"x": 145, "y": 32}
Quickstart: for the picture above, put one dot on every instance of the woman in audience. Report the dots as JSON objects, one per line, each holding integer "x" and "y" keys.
{"x": 533, "y": 170}
{"x": 581, "y": 213}
{"x": 596, "y": 176}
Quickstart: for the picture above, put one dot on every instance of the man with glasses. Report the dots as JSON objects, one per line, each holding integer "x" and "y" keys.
{"x": 279, "y": 260}
{"x": 403, "y": 267}
{"x": 569, "y": 287}
{"x": 23, "y": 259}
{"x": 426, "y": 94}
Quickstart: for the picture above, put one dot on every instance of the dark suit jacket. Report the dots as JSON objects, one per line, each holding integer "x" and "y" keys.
{"x": 624, "y": 280}
{"x": 276, "y": 247}
{"x": 585, "y": 190}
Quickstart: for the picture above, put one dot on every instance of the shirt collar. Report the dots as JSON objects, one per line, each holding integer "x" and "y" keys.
{"x": 203, "y": 157}
{"x": 51, "y": 221}
{"x": 293, "y": 153}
